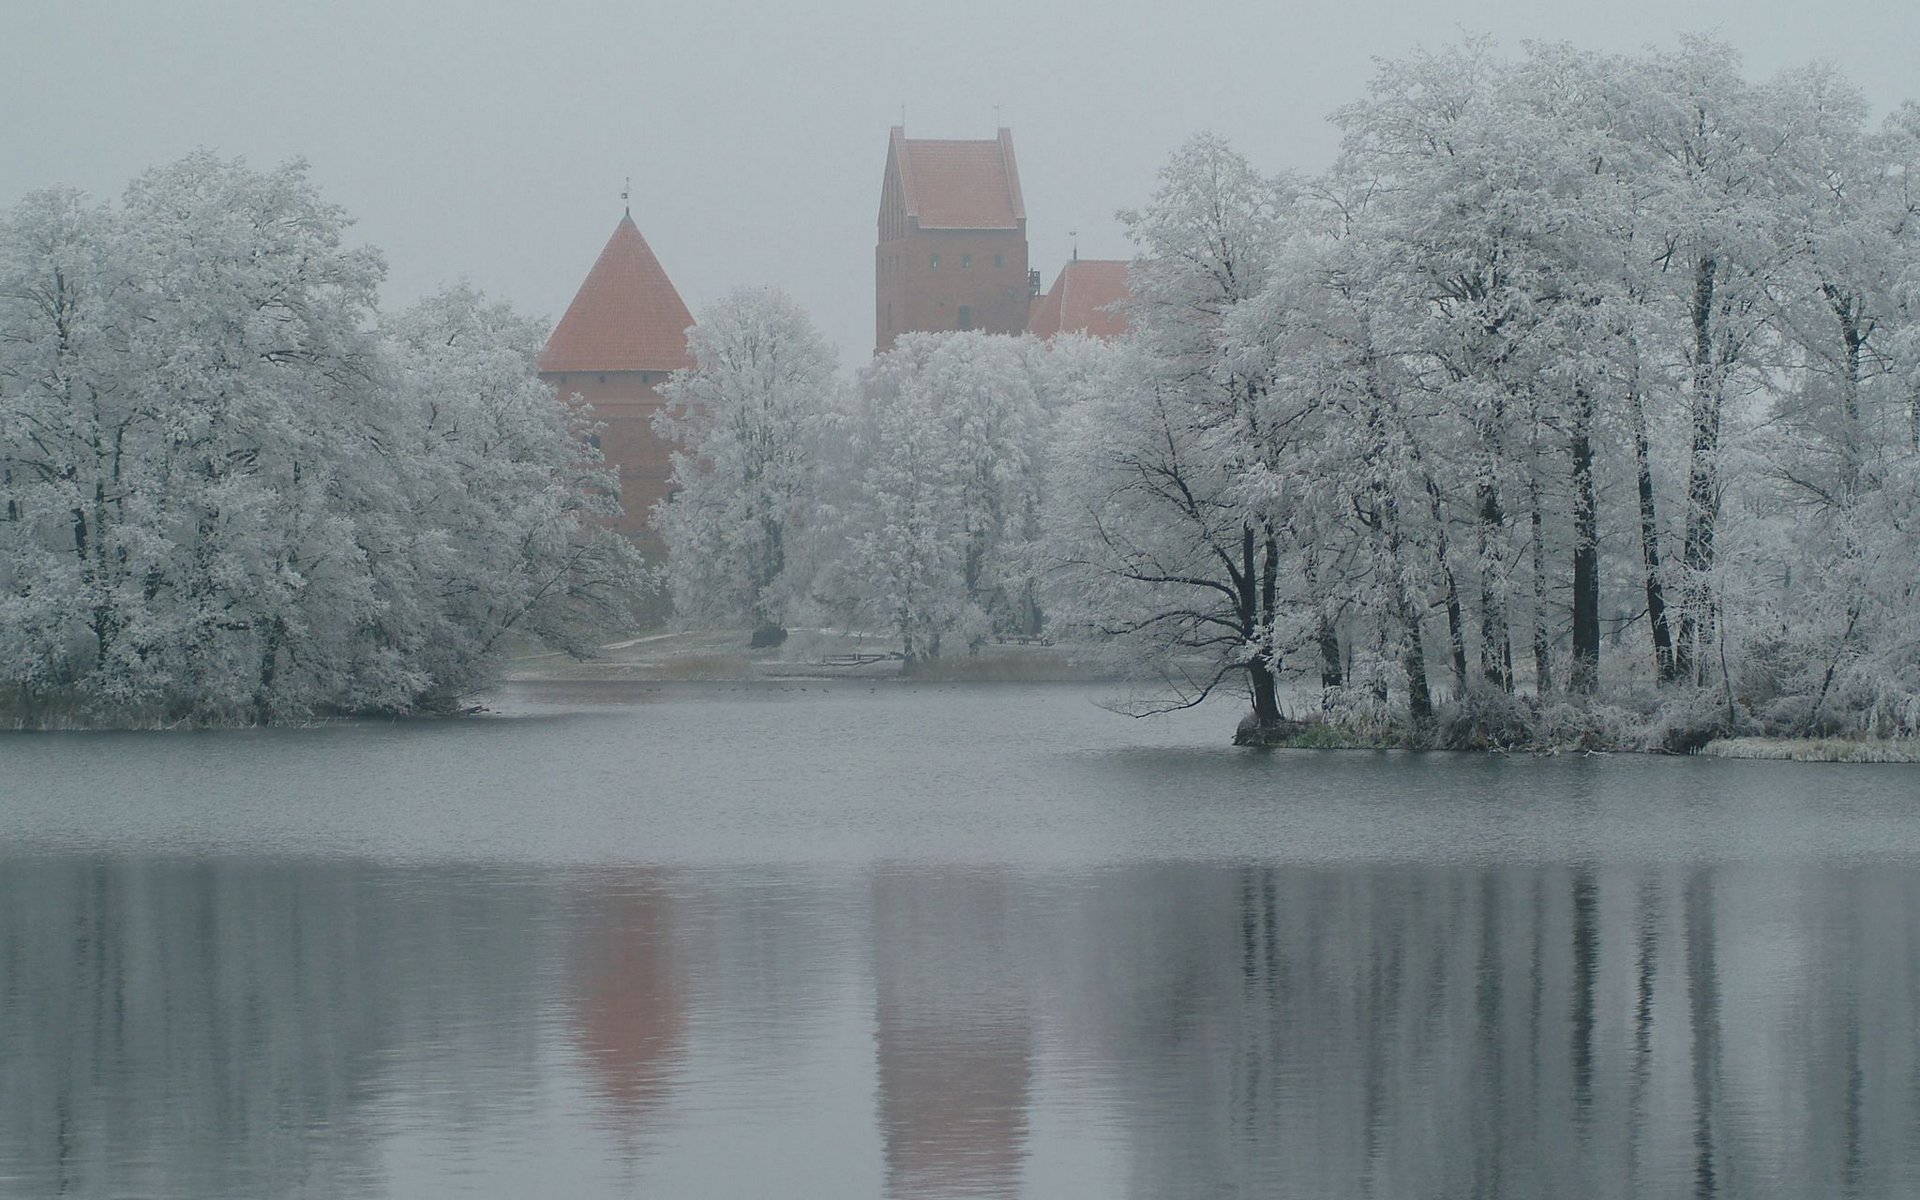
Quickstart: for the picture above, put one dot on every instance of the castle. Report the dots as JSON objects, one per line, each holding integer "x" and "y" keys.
{"x": 951, "y": 253}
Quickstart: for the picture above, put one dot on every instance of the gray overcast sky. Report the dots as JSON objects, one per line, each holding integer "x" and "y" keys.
{"x": 489, "y": 140}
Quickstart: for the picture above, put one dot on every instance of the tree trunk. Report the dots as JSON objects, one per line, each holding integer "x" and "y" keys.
{"x": 1496, "y": 650}
{"x": 1419, "y": 695}
{"x": 1650, "y": 543}
{"x": 269, "y": 668}
{"x": 1846, "y": 311}
{"x": 1266, "y": 700}
{"x": 1414, "y": 659}
{"x": 1703, "y": 500}
{"x": 1332, "y": 678}
{"x": 1542, "y": 660}
{"x": 1256, "y": 583}
{"x": 1584, "y": 669}
{"x": 1456, "y": 621}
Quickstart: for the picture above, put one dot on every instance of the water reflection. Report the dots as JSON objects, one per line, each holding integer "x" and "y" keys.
{"x": 954, "y": 1031}
{"x": 628, "y": 996}
{"x": 227, "y": 1028}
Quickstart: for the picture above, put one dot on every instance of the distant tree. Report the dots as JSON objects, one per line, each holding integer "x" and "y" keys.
{"x": 748, "y": 418}
{"x": 941, "y": 498}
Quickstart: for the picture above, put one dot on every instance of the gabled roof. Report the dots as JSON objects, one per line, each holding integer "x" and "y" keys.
{"x": 1081, "y": 300}
{"x": 959, "y": 184}
{"x": 625, "y": 317}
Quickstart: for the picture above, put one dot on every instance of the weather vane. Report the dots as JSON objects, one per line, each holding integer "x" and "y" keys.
{"x": 1075, "y": 235}
{"x": 626, "y": 190}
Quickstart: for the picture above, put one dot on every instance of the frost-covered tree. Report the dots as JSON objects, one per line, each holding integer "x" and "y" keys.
{"x": 229, "y": 497}
{"x": 941, "y": 494}
{"x": 1170, "y": 516}
{"x": 505, "y": 516}
{"x": 1574, "y": 370}
{"x": 748, "y": 418}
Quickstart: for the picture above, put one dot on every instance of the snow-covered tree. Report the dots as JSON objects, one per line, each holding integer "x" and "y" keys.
{"x": 941, "y": 503}
{"x": 1170, "y": 517}
{"x": 1558, "y": 337}
{"x": 229, "y": 497}
{"x": 748, "y": 419}
{"x": 504, "y": 518}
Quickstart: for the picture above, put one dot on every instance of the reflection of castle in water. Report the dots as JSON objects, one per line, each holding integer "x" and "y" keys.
{"x": 954, "y": 1032}
{"x": 630, "y": 1014}
{"x": 219, "y": 1029}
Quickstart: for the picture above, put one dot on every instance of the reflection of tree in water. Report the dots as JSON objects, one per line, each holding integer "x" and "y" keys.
{"x": 955, "y": 1032}
{"x": 1521, "y": 1031}
{"x": 217, "y": 1029}
{"x": 630, "y": 1018}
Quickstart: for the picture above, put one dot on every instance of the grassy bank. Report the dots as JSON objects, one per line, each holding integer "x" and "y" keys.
{"x": 726, "y": 656}
{"x": 1831, "y": 750}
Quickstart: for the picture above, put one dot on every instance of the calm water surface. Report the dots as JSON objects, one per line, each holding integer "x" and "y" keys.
{"x": 853, "y": 941}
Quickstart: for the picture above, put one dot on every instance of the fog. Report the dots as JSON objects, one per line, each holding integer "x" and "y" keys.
{"x": 494, "y": 147}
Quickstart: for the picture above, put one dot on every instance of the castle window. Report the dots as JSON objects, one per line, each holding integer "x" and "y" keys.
{"x": 966, "y": 316}
{"x": 936, "y": 262}
{"x": 603, "y": 379}
{"x": 999, "y": 260}
{"x": 966, "y": 262}
{"x": 593, "y": 439}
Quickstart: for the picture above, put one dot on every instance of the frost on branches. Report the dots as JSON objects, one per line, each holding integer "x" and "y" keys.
{"x": 229, "y": 497}
{"x": 1576, "y": 375}
{"x": 939, "y": 493}
{"x": 749, "y": 417}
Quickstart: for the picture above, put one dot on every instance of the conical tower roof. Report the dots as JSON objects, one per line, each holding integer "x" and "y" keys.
{"x": 626, "y": 316}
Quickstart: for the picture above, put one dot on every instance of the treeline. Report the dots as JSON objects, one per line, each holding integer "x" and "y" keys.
{"x": 1577, "y": 376}
{"x": 230, "y": 492}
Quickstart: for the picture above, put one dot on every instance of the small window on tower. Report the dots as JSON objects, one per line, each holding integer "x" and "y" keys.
{"x": 966, "y": 262}
{"x": 936, "y": 262}
{"x": 999, "y": 260}
{"x": 966, "y": 316}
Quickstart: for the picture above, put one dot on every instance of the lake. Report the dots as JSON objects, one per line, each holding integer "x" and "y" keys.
{"x": 852, "y": 940}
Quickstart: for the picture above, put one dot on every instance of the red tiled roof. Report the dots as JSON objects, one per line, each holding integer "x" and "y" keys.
{"x": 960, "y": 184}
{"x": 625, "y": 317}
{"x": 1081, "y": 298}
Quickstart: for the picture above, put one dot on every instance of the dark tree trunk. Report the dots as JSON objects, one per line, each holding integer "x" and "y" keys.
{"x": 1542, "y": 660}
{"x": 1266, "y": 700}
{"x": 1257, "y": 584}
{"x": 1703, "y": 498}
{"x": 1419, "y": 694}
{"x": 1332, "y": 678}
{"x": 1650, "y": 544}
{"x": 269, "y": 669}
{"x": 1414, "y": 658}
{"x": 1456, "y": 619}
{"x": 1496, "y": 649}
{"x": 1584, "y": 669}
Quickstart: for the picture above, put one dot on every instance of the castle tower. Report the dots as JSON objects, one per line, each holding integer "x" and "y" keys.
{"x": 624, "y": 332}
{"x": 952, "y": 250}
